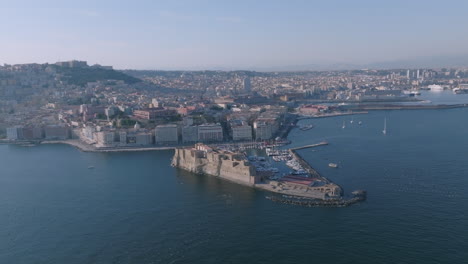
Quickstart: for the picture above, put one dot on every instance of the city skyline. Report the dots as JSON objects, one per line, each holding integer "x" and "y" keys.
{"x": 271, "y": 35}
{"x": 233, "y": 131}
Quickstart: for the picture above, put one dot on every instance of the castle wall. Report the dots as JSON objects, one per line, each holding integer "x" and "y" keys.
{"x": 227, "y": 166}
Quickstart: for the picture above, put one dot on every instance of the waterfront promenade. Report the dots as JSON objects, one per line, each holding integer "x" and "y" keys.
{"x": 90, "y": 148}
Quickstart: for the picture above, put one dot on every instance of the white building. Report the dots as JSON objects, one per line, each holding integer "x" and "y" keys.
{"x": 123, "y": 138}
{"x": 247, "y": 85}
{"x": 189, "y": 134}
{"x": 155, "y": 103}
{"x": 14, "y": 133}
{"x": 210, "y": 132}
{"x": 87, "y": 134}
{"x": 143, "y": 139}
{"x": 166, "y": 134}
{"x": 263, "y": 130}
{"x": 240, "y": 130}
{"x": 187, "y": 121}
{"x": 110, "y": 111}
{"x": 104, "y": 138}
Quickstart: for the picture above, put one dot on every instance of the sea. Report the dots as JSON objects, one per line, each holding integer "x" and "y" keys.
{"x": 136, "y": 208}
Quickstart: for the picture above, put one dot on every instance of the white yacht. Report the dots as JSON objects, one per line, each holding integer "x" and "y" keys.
{"x": 384, "y": 131}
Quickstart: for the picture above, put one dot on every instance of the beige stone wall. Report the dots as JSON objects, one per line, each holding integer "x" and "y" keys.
{"x": 222, "y": 165}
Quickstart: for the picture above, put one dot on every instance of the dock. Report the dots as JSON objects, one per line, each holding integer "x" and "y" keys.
{"x": 324, "y": 143}
{"x": 333, "y": 199}
{"x": 306, "y": 165}
{"x": 301, "y": 117}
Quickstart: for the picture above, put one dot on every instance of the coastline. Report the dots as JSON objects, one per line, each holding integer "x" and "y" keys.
{"x": 283, "y": 132}
{"x": 373, "y": 107}
{"x": 302, "y": 117}
{"x": 88, "y": 148}
{"x": 83, "y": 146}
{"x": 288, "y": 195}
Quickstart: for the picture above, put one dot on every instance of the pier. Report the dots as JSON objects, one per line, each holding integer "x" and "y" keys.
{"x": 301, "y": 117}
{"x": 306, "y": 165}
{"x": 311, "y": 146}
{"x": 333, "y": 198}
{"x": 370, "y": 107}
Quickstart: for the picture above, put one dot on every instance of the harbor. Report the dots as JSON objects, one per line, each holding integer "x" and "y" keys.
{"x": 405, "y": 185}
{"x": 280, "y": 171}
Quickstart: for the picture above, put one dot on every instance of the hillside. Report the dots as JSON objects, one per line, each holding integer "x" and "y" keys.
{"x": 81, "y": 76}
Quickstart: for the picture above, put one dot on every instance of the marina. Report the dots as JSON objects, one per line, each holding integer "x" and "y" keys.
{"x": 291, "y": 176}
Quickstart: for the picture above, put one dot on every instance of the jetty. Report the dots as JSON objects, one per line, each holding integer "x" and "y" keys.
{"x": 335, "y": 200}
{"x": 311, "y": 146}
{"x": 306, "y": 165}
{"x": 369, "y": 107}
{"x": 334, "y": 114}
{"x": 358, "y": 196}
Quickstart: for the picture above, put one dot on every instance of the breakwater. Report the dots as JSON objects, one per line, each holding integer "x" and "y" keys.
{"x": 402, "y": 107}
{"x": 358, "y": 196}
{"x": 311, "y": 146}
{"x": 307, "y": 166}
{"x": 330, "y": 201}
{"x": 301, "y": 117}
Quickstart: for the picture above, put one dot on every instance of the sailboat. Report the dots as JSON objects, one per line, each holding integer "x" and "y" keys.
{"x": 343, "y": 125}
{"x": 384, "y": 131}
{"x": 352, "y": 120}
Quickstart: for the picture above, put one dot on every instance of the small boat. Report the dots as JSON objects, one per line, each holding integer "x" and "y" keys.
{"x": 306, "y": 127}
{"x": 360, "y": 123}
{"x": 91, "y": 167}
{"x": 460, "y": 91}
{"x": 384, "y": 131}
{"x": 333, "y": 165}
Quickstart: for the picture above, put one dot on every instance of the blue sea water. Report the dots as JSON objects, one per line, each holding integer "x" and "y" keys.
{"x": 135, "y": 208}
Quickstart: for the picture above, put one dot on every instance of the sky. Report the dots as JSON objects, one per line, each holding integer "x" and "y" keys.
{"x": 224, "y": 34}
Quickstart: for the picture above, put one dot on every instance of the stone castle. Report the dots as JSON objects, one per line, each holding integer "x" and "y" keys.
{"x": 203, "y": 159}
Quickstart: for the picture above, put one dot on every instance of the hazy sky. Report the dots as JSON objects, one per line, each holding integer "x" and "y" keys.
{"x": 230, "y": 34}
